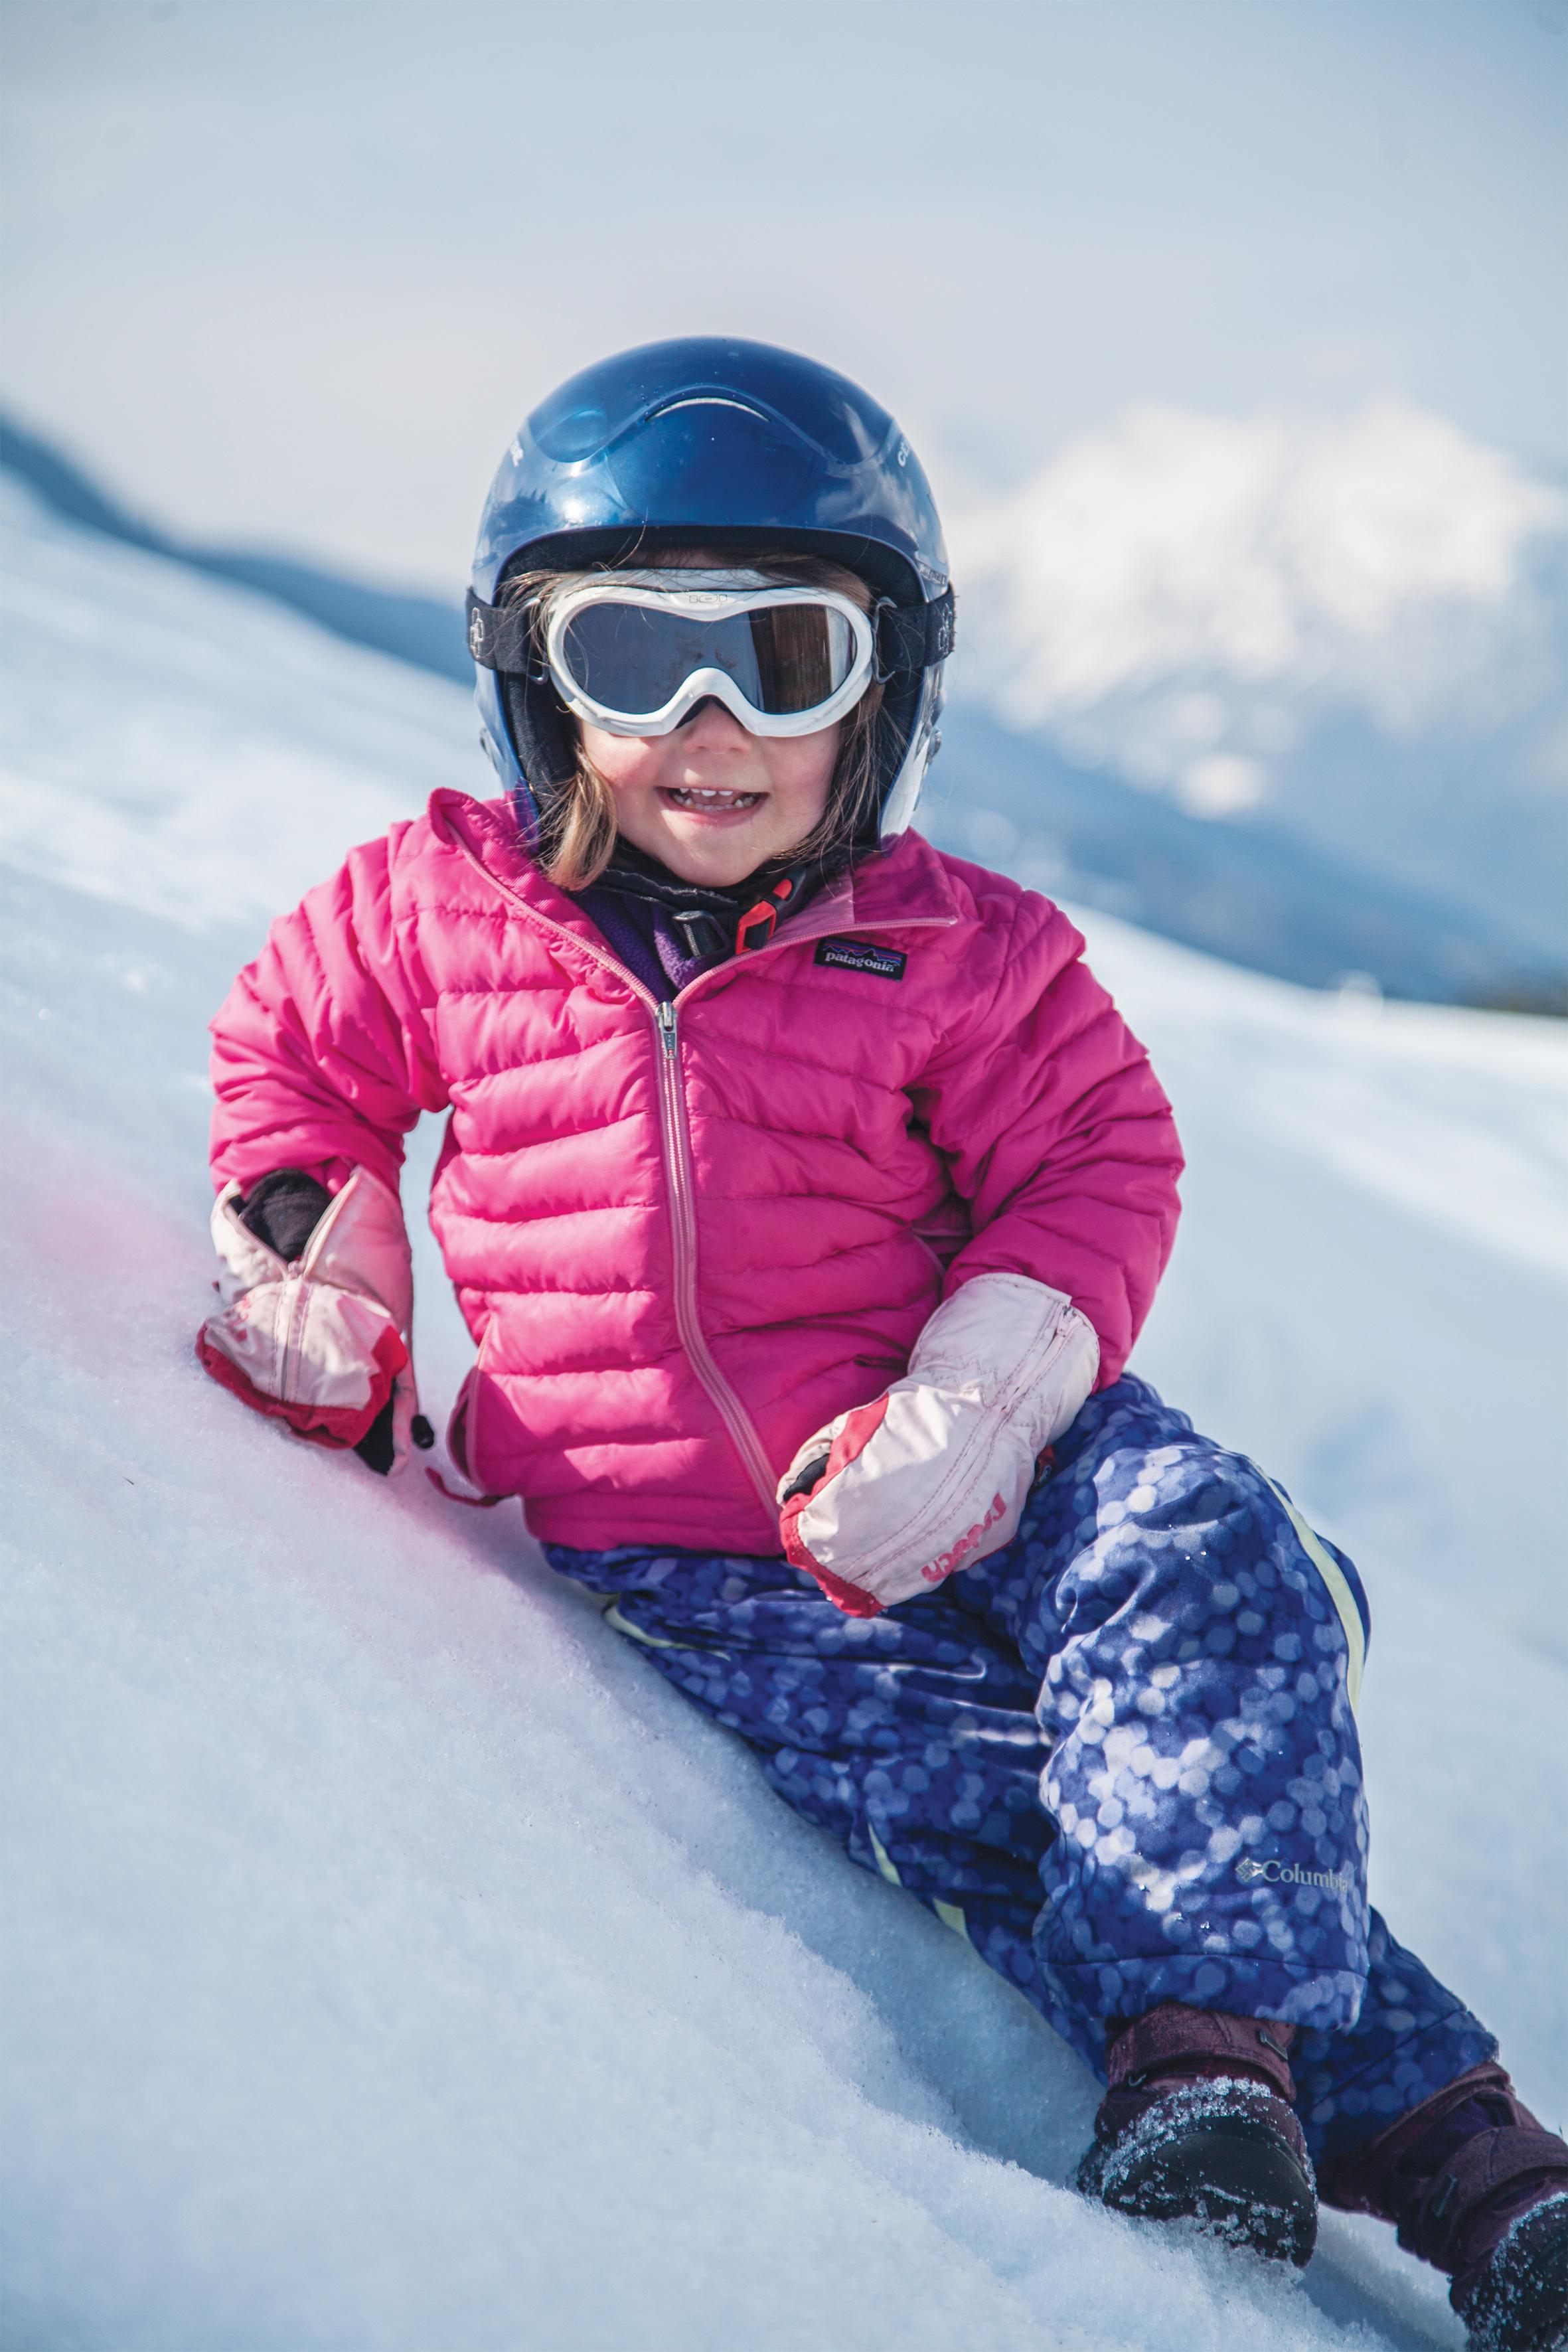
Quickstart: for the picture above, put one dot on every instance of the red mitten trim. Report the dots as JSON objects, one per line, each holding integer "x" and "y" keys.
{"x": 859, "y": 1428}
{"x": 848, "y": 1597}
{"x": 795, "y": 1551}
{"x": 336, "y": 1426}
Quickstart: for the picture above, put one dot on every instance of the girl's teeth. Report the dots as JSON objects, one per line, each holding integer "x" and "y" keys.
{"x": 698, "y": 796}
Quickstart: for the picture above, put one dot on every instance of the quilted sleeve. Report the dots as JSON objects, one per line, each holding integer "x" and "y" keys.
{"x": 322, "y": 1054}
{"x": 1057, "y": 1131}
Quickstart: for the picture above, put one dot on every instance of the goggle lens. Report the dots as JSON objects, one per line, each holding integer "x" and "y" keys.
{"x": 634, "y": 657}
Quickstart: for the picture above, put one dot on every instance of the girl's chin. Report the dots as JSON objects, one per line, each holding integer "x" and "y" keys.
{"x": 722, "y": 847}
{"x": 719, "y": 866}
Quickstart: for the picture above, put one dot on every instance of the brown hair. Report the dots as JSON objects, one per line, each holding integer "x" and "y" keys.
{"x": 577, "y": 819}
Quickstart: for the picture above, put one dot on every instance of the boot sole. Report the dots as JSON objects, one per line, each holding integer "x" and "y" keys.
{"x": 1234, "y": 2178}
{"x": 1522, "y": 2305}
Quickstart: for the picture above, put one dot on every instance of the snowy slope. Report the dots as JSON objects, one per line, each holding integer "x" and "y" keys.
{"x": 394, "y": 1961}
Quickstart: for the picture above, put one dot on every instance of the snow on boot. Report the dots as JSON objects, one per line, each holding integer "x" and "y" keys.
{"x": 1479, "y": 2188}
{"x": 1197, "y": 2125}
{"x": 1519, "y": 2300}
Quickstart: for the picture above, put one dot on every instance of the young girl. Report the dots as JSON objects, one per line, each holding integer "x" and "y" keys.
{"x": 805, "y": 1194}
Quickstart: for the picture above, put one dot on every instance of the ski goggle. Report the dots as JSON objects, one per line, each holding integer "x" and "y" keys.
{"x": 634, "y": 654}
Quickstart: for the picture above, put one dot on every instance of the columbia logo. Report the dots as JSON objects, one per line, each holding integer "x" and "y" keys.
{"x": 1290, "y": 1874}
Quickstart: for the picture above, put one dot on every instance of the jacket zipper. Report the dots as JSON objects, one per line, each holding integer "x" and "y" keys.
{"x": 683, "y": 1221}
{"x": 676, "y": 1136}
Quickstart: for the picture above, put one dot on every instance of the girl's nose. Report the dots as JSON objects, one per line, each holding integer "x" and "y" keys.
{"x": 713, "y": 721}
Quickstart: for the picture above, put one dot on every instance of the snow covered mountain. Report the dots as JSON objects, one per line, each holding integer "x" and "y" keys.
{"x": 1083, "y": 820}
{"x": 394, "y": 1962}
{"x": 1250, "y": 890}
{"x": 1355, "y": 625}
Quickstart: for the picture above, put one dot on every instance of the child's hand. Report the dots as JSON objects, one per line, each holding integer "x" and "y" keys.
{"x": 889, "y": 1498}
{"x": 319, "y": 1343}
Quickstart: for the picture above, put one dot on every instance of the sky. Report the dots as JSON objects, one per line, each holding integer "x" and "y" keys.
{"x": 293, "y": 274}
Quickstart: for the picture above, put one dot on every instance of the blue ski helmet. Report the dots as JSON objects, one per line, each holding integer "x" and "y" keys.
{"x": 727, "y": 442}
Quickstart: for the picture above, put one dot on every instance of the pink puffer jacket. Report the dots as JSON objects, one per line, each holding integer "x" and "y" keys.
{"x": 685, "y": 1237}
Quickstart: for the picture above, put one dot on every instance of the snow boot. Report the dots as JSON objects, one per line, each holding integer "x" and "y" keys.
{"x": 1479, "y": 2188}
{"x": 1197, "y": 2125}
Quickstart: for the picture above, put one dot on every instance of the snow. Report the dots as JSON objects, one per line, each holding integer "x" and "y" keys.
{"x": 394, "y": 1961}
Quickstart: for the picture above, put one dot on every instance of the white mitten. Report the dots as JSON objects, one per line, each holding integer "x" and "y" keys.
{"x": 891, "y": 1498}
{"x": 322, "y": 1343}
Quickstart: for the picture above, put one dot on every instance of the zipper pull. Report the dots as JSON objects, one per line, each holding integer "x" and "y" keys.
{"x": 667, "y": 1026}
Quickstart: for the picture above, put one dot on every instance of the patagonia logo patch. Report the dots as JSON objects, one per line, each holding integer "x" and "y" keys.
{"x": 860, "y": 955}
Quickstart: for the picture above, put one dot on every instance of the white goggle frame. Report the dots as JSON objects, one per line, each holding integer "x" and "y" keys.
{"x": 702, "y": 598}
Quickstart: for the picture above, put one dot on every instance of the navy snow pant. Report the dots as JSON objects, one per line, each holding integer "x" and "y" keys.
{"x": 1139, "y": 1710}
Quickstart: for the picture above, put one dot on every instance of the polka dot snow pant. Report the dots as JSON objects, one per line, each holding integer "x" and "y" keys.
{"x": 1140, "y": 1709}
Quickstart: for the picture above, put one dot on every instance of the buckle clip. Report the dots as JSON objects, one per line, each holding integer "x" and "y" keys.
{"x": 758, "y": 924}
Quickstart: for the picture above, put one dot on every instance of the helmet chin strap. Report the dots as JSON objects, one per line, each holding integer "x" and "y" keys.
{"x": 707, "y": 933}
{"x": 758, "y": 924}
{"x": 714, "y": 918}
{"x": 542, "y": 732}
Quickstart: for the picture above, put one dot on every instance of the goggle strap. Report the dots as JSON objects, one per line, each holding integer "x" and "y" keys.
{"x": 500, "y": 637}
{"x": 914, "y": 636}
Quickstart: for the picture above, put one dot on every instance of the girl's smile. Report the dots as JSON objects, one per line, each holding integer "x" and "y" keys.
{"x": 710, "y": 800}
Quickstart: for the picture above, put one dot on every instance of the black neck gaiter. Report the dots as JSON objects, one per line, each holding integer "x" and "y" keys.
{"x": 666, "y": 930}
